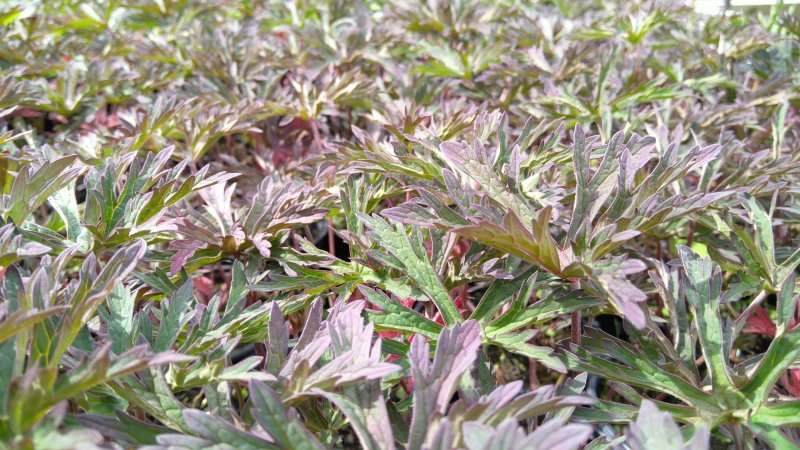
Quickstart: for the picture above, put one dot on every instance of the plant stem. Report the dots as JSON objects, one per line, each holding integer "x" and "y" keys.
{"x": 575, "y": 326}
{"x": 331, "y": 241}
{"x": 690, "y": 237}
{"x": 332, "y": 251}
{"x": 532, "y": 380}
{"x": 316, "y": 135}
{"x": 753, "y": 305}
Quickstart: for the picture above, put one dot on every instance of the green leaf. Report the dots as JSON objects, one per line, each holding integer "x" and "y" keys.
{"x": 701, "y": 287}
{"x": 269, "y": 412}
{"x": 546, "y": 309}
{"x": 65, "y": 204}
{"x": 151, "y": 392}
{"x": 500, "y": 292}
{"x": 7, "y": 369}
{"x": 19, "y": 320}
{"x": 173, "y": 317}
{"x": 218, "y": 431}
{"x": 764, "y": 239}
{"x": 786, "y": 305}
{"x": 787, "y": 267}
{"x": 519, "y": 343}
{"x": 536, "y": 246}
{"x": 410, "y": 255}
{"x": 238, "y": 287}
{"x": 119, "y": 321}
{"x": 474, "y": 161}
{"x": 572, "y": 386}
{"x": 781, "y": 354}
{"x": 631, "y": 366}
{"x": 778, "y": 414}
{"x": 395, "y": 316}
{"x": 134, "y": 430}
{"x": 85, "y": 301}
{"x": 33, "y": 186}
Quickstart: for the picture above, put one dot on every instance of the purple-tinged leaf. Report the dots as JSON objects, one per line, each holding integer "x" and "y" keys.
{"x": 655, "y": 429}
{"x": 434, "y": 384}
{"x": 625, "y": 297}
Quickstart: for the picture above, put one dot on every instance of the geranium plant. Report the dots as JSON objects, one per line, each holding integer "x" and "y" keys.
{"x": 398, "y": 225}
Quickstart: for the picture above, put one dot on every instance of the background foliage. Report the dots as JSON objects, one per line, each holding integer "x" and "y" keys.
{"x": 422, "y": 224}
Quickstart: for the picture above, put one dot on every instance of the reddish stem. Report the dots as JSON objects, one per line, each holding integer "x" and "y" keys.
{"x": 331, "y": 243}
{"x": 690, "y": 237}
{"x": 316, "y": 135}
{"x": 532, "y": 381}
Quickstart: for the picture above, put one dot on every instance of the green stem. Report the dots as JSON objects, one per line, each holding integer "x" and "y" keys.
{"x": 575, "y": 326}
